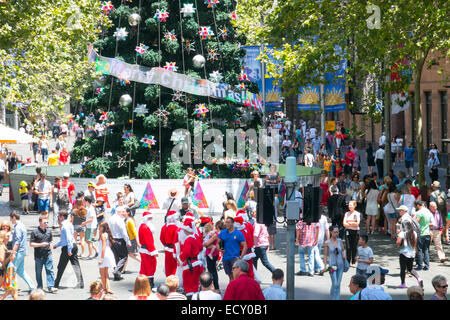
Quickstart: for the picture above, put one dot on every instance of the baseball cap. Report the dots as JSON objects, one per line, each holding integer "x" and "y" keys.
{"x": 436, "y": 184}
{"x": 184, "y": 200}
{"x": 402, "y": 207}
{"x": 66, "y": 175}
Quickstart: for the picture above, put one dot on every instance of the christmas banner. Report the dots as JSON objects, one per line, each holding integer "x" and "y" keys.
{"x": 148, "y": 200}
{"x": 173, "y": 80}
{"x": 198, "y": 197}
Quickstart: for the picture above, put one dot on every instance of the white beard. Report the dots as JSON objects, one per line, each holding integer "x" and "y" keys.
{"x": 150, "y": 225}
{"x": 182, "y": 236}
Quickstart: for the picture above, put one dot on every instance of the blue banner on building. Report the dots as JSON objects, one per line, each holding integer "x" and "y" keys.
{"x": 253, "y": 70}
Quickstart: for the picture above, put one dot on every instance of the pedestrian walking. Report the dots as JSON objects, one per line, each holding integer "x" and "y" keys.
{"x": 91, "y": 225}
{"x": 379, "y": 160}
{"x": 371, "y": 207}
{"x": 351, "y": 222}
{"x": 436, "y": 231}
{"x": 106, "y": 258}
{"x": 433, "y": 166}
{"x": 41, "y": 240}
{"x": 407, "y": 241}
{"x": 424, "y": 217}
{"x": 69, "y": 250}
{"x": 334, "y": 253}
{"x": 121, "y": 240}
{"x": 307, "y": 236}
{"x": 19, "y": 249}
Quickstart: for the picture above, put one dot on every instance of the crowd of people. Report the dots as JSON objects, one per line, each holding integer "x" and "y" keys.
{"x": 353, "y": 209}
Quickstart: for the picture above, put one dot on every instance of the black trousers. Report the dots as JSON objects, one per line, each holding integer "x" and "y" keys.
{"x": 380, "y": 167}
{"x": 63, "y": 260}
{"x": 211, "y": 264}
{"x": 120, "y": 251}
{"x": 434, "y": 175}
{"x": 406, "y": 264}
{"x": 351, "y": 244}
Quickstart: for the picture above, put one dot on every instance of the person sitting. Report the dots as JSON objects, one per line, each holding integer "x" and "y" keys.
{"x": 242, "y": 287}
{"x": 172, "y": 283}
{"x": 206, "y": 288}
{"x": 275, "y": 291}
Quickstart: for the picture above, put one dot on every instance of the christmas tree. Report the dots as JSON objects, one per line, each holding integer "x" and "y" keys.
{"x": 129, "y": 125}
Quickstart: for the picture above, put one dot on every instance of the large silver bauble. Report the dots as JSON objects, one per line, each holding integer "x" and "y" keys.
{"x": 134, "y": 19}
{"x": 125, "y": 100}
{"x": 198, "y": 61}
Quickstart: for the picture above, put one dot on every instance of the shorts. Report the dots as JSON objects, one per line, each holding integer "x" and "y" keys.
{"x": 25, "y": 204}
{"x": 228, "y": 265}
{"x": 392, "y": 215}
{"x": 134, "y": 247}
{"x": 409, "y": 164}
{"x": 89, "y": 233}
{"x": 79, "y": 228}
{"x": 272, "y": 229}
{"x": 44, "y": 205}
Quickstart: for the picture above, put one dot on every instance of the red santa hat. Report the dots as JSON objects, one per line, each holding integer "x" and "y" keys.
{"x": 239, "y": 222}
{"x": 147, "y": 215}
{"x": 205, "y": 220}
{"x": 243, "y": 214}
{"x": 189, "y": 217}
{"x": 188, "y": 226}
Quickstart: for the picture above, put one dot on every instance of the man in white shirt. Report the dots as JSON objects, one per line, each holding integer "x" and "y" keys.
{"x": 309, "y": 158}
{"x": 44, "y": 192}
{"x": 121, "y": 241}
{"x": 207, "y": 289}
{"x": 382, "y": 140}
{"x": 379, "y": 161}
{"x": 312, "y": 132}
{"x": 433, "y": 165}
{"x": 91, "y": 225}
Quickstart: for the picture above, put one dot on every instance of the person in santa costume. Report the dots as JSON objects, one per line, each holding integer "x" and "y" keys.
{"x": 188, "y": 260}
{"x": 147, "y": 251}
{"x": 169, "y": 238}
{"x": 249, "y": 240}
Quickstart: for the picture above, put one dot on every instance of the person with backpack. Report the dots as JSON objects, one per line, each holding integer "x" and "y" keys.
{"x": 439, "y": 196}
{"x": 66, "y": 191}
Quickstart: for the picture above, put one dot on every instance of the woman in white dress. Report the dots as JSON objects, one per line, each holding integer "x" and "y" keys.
{"x": 371, "y": 207}
{"x": 106, "y": 258}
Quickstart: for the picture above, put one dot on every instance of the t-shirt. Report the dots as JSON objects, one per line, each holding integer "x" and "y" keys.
{"x": 323, "y": 226}
{"x": 426, "y": 217}
{"x": 207, "y": 295}
{"x": 90, "y": 213}
{"x": 327, "y": 165}
{"x": 44, "y": 186}
{"x": 39, "y": 236}
{"x": 70, "y": 187}
{"x": 355, "y": 216}
{"x": 406, "y": 250}
{"x": 409, "y": 152}
{"x": 364, "y": 254}
{"x": 232, "y": 243}
{"x": 309, "y": 160}
{"x": 53, "y": 159}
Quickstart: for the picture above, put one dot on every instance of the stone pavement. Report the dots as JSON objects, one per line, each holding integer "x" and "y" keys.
{"x": 306, "y": 288}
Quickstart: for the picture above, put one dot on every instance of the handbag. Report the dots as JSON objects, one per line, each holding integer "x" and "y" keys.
{"x": 346, "y": 265}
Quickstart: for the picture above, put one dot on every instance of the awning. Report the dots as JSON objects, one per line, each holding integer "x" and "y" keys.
{"x": 10, "y": 135}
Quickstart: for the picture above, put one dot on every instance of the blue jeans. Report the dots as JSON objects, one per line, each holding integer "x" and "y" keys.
{"x": 336, "y": 279}
{"x": 310, "y": 252}
{"x": 44, "y": 152}
{"x": 423, "y": 254}
{"x": 318, "y": 263}
{"x": 19, "y": 263}
{"x": 261, "y": 253}
{"x": 48, "y": 264}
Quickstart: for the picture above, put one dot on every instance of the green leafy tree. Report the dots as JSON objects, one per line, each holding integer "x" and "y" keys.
{"x": 168, "y": 41}
{"x": 43, "y": 47}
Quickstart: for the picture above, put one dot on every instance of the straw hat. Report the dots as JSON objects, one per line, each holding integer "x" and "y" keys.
{"x": 173, "y": 193}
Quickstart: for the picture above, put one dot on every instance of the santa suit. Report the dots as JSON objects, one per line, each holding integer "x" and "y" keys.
{"x": 190, "y": 248}
{"x": 169, "y": 238}
{"x": 248, "y": 231}
{"x": 102, "y": 191}
{"x": 147, "y": 251}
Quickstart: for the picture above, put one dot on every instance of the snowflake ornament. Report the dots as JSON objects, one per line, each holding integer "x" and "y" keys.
{"x": 233, "y": 15}
{"x": 243, "y": 76}
{"x": 170, "y": 36}
{"x": 122, "y": 161}
{"x": 127, "y": 134}
{"x": 142, "y": 48}
{"x": 204, "y": 173}
{"x": 148, "y": 141}
{"x": 223, "y": 33}
{"x": 161, "y": 15}
{"x": 212, "y": 3}
{"x": 104, "y": 116}
{"x": 206, "y": 32}
{"x": 170, "y": 66}
{"x": 189, "y": 46}
{"x": 141, "y": 110}
{"x": 212, "y": 54}
{"x": 188, "y": 10}
{"x": 120, "y": 34}
{"x": 240, "y": 86}
{"x": 200, "y": 110}
{"x": 215, "y": 76}
{"x": 161, "y": 113}
{"x": 107, "y": 7}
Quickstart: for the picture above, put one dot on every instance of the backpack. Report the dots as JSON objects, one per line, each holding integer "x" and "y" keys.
{"x": 441, "y": 200}
{"x": 62, "y": 197}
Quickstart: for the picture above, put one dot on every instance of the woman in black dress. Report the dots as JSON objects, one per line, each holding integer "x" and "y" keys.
{"x": 370, "y": 158}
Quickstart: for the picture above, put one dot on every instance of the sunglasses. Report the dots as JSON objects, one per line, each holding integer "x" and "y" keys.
{"x": 444, "y": 286}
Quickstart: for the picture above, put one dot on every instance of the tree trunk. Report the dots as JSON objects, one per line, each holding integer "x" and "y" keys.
{"x": 387, "y": 128}
{"x": 418, "y": 114}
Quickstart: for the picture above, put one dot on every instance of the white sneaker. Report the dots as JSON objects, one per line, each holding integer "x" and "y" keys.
{"x": 53, "y": 290}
